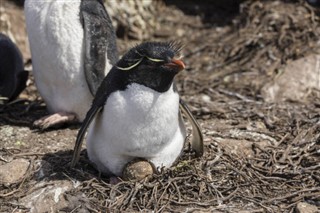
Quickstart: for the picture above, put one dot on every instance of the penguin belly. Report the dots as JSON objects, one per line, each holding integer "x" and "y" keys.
{"x": 136, "y": 122}
{"x": 56, "y": 43}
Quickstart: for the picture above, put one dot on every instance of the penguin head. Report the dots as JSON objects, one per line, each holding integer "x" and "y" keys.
{"x": 152, "y": 64}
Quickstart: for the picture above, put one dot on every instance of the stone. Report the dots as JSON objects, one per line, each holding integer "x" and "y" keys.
{"x": 304, "y": 207}
{"x": 295, "y": 83}
{"x": 49, "y": 197}
{"x": 13, "y": 171}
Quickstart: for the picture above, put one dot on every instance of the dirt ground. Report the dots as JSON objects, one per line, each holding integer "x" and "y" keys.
{"x": 259, "y": 156}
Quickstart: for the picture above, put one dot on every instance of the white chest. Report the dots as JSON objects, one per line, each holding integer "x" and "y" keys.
{"x": 138, "y": 122}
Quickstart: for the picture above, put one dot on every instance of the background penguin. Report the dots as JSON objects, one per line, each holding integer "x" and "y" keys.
{"x": 135, "y": 113}
{"x": 13, "y": 78}
{"x": 73, "y": 46}
{"x": 315, "y": 3}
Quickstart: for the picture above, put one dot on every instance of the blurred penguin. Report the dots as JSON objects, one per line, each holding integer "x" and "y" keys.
{"x": 13, "y": 78}
{"x": 314, "y": 3}
{"x": 73, "y": 47}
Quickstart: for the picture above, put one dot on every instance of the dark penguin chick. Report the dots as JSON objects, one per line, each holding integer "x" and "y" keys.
{"x": 315, "y": 3}
{"x": 135, "y": 113}
{"x": 73, "y": 47}
{"x": 13, "y": 78}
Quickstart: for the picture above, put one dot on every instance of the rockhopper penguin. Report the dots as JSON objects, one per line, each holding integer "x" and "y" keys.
{"x": 73, "y": 46}
{"x": 13, "y": 78}
{"x": 135, "y": 113}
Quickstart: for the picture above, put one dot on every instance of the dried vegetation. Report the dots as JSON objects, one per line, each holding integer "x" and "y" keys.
{"x": 260, "y": 157}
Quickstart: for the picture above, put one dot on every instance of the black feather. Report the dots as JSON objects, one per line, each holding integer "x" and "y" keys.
{"x": 150, "y": 74}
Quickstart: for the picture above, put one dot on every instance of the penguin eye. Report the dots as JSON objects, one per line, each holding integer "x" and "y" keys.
{"x": 130, "y": 67}
{"x": 154, "y": 59}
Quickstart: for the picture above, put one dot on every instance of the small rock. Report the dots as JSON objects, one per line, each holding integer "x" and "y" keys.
{"x": 304, "y": 207}
{"x": 14, "y": 171}
{"x": 47, "y": 197}
{"x": 206, "y": 98}
{"x": 137, "y": 170}
{"x": 180, "y": 32}
{"x": 296, "y": 81}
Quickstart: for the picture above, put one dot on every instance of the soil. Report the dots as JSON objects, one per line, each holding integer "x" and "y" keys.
{"x": 259, "y": 156}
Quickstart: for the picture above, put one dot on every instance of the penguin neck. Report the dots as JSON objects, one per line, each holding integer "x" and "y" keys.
{"x": 157, "y": 81}
{"x": 143, "y": 99}
{"x": 140, "y": 88}
{"x": 118, "y": 80}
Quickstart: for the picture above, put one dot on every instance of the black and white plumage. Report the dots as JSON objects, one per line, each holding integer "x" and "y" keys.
{"x": 73, "y": 46}
{"x": 13, "y": 78}
{"x": 135, "y": 113}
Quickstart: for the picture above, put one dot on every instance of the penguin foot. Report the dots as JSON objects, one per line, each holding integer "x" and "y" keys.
{"x": 54, "y": 120}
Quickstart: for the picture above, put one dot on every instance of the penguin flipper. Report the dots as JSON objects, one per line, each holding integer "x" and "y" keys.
{"x": 103, "y": 92}
{"x": 99, "y": 42}
{"x": 77, "y": 147}
{"x": 197, "y": 137}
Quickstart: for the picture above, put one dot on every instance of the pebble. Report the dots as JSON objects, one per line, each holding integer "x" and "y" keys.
{"x": 13, "y": 171}
{"x": 304, "y": 207}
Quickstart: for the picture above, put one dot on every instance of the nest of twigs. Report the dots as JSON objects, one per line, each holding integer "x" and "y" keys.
{"x": 279, "y": 163}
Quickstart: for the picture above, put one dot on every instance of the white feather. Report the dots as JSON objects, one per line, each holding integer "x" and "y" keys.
{"x": 56, "y": 43}
{"x": 137, "y": 122}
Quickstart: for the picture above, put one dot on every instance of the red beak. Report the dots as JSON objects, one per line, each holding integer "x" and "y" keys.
{"x": 176, "y": 64}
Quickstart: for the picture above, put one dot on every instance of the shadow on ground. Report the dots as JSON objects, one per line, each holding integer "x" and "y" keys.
{"x": 59, "y": 165}
{"x": 21, "y": 113}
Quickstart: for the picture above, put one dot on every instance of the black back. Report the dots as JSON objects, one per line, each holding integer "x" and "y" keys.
{"x": 99, "y": 39}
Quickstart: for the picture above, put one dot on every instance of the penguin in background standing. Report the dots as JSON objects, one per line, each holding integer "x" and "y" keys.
{"x": 13, "y": 77}
{"x": 135, "y": 113}
{"x": 73, "y": 47}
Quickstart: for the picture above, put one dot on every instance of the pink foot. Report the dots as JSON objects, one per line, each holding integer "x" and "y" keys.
{"x": 54, "y": 120}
